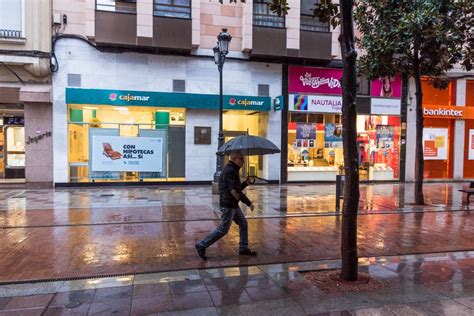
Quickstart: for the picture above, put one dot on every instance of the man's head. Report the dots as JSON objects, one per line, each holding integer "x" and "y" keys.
{"x": 237, "y": 158}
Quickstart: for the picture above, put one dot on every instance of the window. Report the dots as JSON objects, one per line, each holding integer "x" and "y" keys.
{"x": 263, "y": 16}
{"x": 363, "y": 85}
{"x": 179, "y": 85}
{"x": 123, "y": 6}
{"x": 12, "y": 18}
{"x": 173, "y": 8}
{"x": 308, "y": 21}
{"x": 263, "y": 90}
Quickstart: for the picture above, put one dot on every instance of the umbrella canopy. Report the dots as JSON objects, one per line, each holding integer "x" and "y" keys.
{"x": 249, "y": 145}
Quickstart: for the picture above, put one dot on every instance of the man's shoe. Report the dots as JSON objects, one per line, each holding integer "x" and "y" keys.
{"x": 201, "y": 251}
{"x": 248, "y": 252}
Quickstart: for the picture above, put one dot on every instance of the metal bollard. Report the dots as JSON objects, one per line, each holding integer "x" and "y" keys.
{"x": 339, "y": 191}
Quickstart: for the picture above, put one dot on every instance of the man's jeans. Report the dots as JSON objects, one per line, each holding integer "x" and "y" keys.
{"x": 229, "y": 215}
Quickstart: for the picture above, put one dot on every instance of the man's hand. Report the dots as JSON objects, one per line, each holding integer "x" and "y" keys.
{"x": 235, "y": 194}
{"x": 252, "y": 207}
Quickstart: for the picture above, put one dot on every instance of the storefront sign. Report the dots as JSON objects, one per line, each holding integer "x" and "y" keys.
{"x": 381, "y": 106}
{"x": 435, "y": 143}
{"x": 387, "y": 87}
{"x": 452, "y": 112}
{"x": 115, "y": 153}
{"x": 471, "y": 144}
{"x": 278, "y": 103}
{"x": 165, "y": 99}
{"x": 315, "y": 80}
{"x": 315, "y": 103}
{"x": 13, "y": 120}
{"x": 37, "y": 138}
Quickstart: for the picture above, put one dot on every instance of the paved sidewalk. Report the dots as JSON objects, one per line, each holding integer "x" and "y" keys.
{"x": 57, "y": 234}
{"x": 437, "y": 284}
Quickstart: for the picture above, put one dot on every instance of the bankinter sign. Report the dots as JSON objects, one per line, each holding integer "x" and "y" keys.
{"x": 442, "y": 112}
{"x": 450, "y": 112}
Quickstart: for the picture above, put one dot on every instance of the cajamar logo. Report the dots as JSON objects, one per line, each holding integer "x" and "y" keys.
{"x": 128, "y": 97}
{"x": 245, "y": 102}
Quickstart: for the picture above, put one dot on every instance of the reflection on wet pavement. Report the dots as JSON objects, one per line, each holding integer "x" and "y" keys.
{"x": 433, "y": 284}
{"x": 53, "y": 234}
{"x": 24, "y": 208}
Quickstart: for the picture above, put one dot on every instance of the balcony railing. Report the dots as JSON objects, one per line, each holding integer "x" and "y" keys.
{"x": 10, "y": 33}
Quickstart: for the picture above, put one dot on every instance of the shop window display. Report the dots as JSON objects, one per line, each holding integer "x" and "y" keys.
{"x": 315, "y": 147}
{"x": 137, "y": 127}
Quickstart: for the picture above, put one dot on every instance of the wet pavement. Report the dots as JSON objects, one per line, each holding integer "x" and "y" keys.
{"x": 64, "y": 233}
{"x": 435, "y": 284}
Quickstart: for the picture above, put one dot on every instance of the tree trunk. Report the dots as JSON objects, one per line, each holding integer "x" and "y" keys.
{"x": 419, "y": 160}
{"x": 349, "y": 270}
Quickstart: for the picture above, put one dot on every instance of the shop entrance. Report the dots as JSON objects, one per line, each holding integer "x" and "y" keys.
{"x": 237, "y": 123}
{"x": 12, "y": 144}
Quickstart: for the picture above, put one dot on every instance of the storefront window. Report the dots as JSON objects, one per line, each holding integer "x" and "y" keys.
{"x": 118, "y": 143}
{"x": 15, "y": 146}
{"x": 315, "y": 147}
{"x": 315, "y": 151}
{"x": 438, "y": 133}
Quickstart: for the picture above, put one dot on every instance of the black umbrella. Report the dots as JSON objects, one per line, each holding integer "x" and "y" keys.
{"x": 248, "y": 145}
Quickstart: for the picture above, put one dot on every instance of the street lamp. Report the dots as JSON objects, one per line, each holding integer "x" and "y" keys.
{"x": 220, "y": 52}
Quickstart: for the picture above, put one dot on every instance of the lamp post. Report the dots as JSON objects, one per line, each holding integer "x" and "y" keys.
{"x": 220, "y": 53}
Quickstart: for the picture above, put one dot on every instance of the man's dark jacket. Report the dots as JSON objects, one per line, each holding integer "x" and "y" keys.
{"x": 228, "y": 181}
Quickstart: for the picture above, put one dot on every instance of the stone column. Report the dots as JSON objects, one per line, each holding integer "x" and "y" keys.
{"x": 145, "y": 22}
{"x": 39, "y": 144}
{"x": 459, "y": 132}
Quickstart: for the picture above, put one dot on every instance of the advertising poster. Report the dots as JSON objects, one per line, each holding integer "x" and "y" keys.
{"x": 471, "y": 144}
{"x": 305, "y": 131}
{"x": 115, "y": 153}
{"x": 387, "y": 87}
{"x": 384, "y": 136}
{"x": 332, "y": 135}
{"x": 435, "y": 143}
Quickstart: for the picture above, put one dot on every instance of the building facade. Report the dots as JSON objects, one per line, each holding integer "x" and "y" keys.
{"x": 315, "y": 126}
{"x": 448, "y": 130}
{"x": 131, "y": 71}
{"x": 25, "y": 92}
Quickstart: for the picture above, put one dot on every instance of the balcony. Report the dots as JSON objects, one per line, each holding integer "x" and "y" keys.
{"x": 115, "y": 28}
{"x": 315, "y": 45}
{"x": 10, "y": 33}
{"x": 172, "y": 34}
{"x": 268, "y": 41}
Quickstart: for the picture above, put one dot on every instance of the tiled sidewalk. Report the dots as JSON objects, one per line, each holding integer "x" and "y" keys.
{"x": 437, "y": 284}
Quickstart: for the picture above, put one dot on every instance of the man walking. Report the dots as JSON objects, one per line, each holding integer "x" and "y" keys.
{"x": 230, "y": 194}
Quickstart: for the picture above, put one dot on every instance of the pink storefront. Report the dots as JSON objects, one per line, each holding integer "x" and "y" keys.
{"x": 315, "y": 130}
